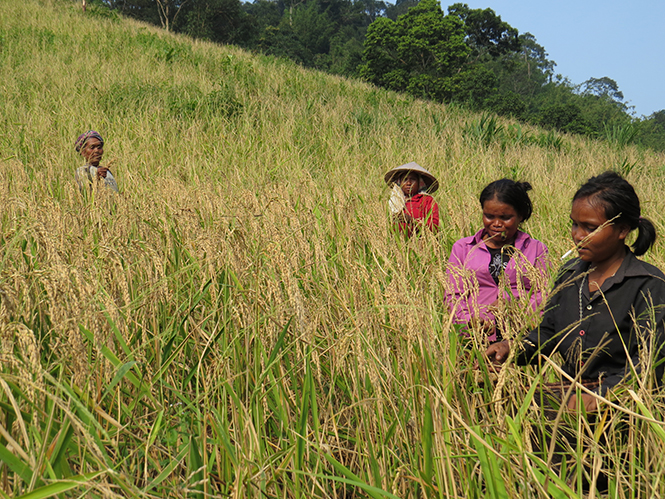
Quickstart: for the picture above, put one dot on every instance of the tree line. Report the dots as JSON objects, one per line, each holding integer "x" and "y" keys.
{"x": 468, "y": 56}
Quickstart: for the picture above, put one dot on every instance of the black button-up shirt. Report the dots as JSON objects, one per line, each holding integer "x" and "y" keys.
{"x": 628, "y": 312}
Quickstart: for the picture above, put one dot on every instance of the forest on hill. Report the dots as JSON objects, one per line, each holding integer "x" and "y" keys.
{"x": 467, "y": 56}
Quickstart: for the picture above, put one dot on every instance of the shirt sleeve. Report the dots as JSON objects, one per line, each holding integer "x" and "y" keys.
{"x": 539, "y": 340}
{"x": 648, "y": 332}
{"x": 542, "y": 339}
{"x": 432, "y": 214}
{"x": 540, "y": 265}
{"x": 110, "y": 182}
{"x": 456, "y": 292}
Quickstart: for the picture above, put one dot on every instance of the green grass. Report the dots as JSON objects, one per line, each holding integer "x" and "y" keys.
{"x": 240, "y": 321}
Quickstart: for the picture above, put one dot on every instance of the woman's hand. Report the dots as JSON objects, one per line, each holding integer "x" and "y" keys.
{"x": 589, "y": 401}
{"x": 101, "y": 171}
{"x": 498, "y": 352}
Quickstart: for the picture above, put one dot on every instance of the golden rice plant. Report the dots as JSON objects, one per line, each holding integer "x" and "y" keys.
{"x": 241, "y": 319}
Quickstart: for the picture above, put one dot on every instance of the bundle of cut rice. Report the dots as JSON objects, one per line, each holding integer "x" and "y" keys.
{"x": 396, "y": 203}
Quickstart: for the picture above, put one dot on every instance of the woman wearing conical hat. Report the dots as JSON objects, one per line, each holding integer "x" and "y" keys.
{"x": 410, "y": 203}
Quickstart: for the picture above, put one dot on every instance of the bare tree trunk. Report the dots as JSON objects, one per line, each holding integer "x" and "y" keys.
{"x": 164, "y": 10}
{"x": 293, "y": 4}
{"x": 179, "y": 8}
{"x": 84, "y": 5}
{"x": 164, "y": 13}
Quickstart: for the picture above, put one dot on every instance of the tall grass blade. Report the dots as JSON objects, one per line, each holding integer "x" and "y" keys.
{"x": 15, "y": 464}
{"x": 490, "y": 468}
{"x": 63, "y": 486}
{"x": 354, "y": 480}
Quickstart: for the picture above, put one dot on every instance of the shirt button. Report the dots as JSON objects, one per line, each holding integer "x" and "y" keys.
{"x": 581, "y": 332}
{"x": 589, "y": 307}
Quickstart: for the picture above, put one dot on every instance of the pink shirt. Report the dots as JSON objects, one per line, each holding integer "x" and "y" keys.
{"x": 471, "y": 288}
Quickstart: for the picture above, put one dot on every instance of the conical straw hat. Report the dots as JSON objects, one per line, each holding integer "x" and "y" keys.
{"x": 432, "y": 184}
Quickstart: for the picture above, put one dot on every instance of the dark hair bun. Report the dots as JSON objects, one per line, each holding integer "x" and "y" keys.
{"x": 525, "y": 185}
{"x": 512, "y": 193}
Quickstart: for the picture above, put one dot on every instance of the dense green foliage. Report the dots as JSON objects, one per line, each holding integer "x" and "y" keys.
{"x": 420, "y": 53}
{"x": 469, "y": 56}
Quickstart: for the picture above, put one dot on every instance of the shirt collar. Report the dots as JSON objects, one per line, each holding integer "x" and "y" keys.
{"x": 631, "y": 266}
{"x": 519, "y": 237}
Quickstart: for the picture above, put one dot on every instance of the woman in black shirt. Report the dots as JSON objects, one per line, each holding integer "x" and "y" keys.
{"x": 606, "y": 303}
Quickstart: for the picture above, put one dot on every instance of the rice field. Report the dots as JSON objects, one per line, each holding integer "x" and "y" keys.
{"x": 241, "y": 321}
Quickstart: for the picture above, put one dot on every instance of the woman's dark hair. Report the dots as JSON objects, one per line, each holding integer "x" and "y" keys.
{"x": 621, "y": 205}
{"x": 509, "y": 192}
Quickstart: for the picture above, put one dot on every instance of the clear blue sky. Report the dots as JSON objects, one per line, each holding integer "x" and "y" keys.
{"x": 624, "y": 40}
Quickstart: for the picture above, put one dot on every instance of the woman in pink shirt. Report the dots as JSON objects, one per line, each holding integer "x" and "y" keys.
{"x": 411, "y": 204}
{"x": 499, "y": 262}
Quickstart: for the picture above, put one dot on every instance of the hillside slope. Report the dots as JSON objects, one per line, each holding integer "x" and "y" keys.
{"x": 192, "y": 112}
{"x": 240, "y": 321}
